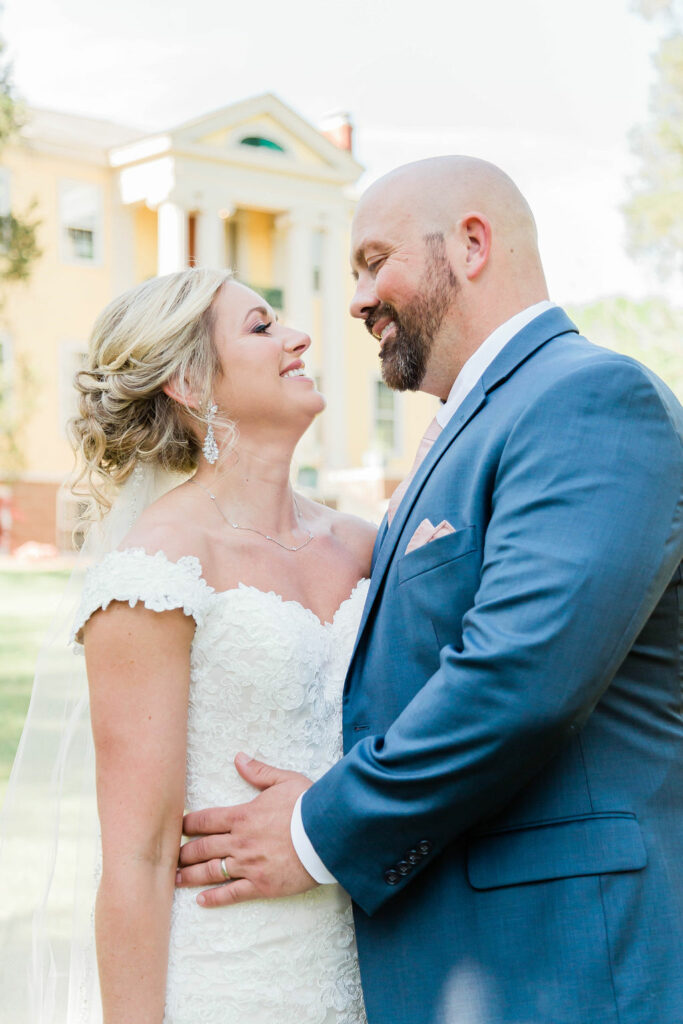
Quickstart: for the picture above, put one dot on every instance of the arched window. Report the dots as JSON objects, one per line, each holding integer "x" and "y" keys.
{"x": 261, "y": 143}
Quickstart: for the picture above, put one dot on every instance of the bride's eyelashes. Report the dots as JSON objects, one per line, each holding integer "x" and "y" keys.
{"x": 262, "y": 328}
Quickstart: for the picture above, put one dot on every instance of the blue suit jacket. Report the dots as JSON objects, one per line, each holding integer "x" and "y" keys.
{"x": 507, "y": 817}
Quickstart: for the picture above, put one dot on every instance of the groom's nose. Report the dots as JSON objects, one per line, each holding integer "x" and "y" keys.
{"x": 364, "y": 300}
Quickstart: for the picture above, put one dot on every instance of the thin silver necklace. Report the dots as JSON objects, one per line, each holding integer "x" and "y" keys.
{"x": 252, "y": 529}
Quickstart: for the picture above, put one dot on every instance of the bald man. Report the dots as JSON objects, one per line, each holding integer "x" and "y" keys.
{"x": 507, "y": 815}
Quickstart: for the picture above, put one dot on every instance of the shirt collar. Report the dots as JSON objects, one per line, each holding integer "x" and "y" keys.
{"x": 479, "y": 361}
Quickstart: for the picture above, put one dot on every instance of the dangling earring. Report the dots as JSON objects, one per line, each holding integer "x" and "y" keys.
{"x": 210, "y": 448}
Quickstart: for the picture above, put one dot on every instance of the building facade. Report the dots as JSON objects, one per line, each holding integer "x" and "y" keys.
{"x": 253, "y": 187}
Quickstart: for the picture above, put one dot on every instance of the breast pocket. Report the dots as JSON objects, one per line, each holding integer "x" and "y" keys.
{"x": 437, "y": 584}
{"x": 437, "y": 553}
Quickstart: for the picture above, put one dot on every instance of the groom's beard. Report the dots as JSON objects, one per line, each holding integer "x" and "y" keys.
{"x": 404, "y": 357}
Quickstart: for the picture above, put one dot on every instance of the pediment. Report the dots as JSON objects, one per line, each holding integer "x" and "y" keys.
{"x": 264, "y": 130}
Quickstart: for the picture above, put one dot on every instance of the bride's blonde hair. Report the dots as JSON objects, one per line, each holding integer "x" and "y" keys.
{"x": 157, "y": 333}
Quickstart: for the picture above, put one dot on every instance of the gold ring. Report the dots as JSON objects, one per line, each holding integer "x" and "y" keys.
{"x": 224, "y": 870}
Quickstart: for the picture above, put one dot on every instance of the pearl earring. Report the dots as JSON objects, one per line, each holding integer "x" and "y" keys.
{"x": 210, "y": 448}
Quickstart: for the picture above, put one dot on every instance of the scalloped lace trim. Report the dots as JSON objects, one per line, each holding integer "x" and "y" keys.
{"x": 163, "y": 585}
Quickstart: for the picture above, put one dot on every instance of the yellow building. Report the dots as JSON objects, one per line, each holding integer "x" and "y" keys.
{"x": 251, "y": 186}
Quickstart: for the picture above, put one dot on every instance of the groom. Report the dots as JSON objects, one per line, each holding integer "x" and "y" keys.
{"x": 507, "y": 817}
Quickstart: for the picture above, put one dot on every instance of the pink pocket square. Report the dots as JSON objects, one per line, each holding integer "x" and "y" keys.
{"x": 426, "y": 531}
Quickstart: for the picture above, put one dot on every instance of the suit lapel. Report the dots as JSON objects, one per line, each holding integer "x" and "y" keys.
{"x": 541, "y": 330}
{"x": 379, "y": 539}
{"x": 388, "y": 537}
{"x": 527, "y": 341}
{"x": 469, "y": 408}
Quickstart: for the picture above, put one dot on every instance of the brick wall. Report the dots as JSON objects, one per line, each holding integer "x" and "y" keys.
{"x": 33, "y": 512}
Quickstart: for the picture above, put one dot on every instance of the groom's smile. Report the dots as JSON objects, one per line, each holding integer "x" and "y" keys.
{"x": 381, "y": 327}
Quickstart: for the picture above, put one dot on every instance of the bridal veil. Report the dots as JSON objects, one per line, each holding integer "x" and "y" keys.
{"x": 49, "y": 831}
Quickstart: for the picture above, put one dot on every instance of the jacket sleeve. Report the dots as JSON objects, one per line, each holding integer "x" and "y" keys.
{"x": 584, "y": 535}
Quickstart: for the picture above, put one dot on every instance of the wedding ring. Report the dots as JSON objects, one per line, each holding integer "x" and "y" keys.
{"x": 224, "y": 870}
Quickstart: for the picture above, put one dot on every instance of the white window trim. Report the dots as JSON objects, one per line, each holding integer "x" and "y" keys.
{"x": 98, "y": 240}
{"x": 396, "y": 450}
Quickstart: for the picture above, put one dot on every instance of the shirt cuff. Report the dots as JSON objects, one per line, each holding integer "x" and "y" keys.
{"x": 304, "y": 848}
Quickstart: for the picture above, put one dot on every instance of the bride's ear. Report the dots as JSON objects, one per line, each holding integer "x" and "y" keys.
{"x": 181, "y": 392}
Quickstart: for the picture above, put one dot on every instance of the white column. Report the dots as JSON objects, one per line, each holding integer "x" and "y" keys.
{"x": 122, "y": 247}
{"x": 240, "y": 257}
{"x": 210, "y": 239}
{"x": 171, "y": 238}
{"x": 295, "y": 243}
{"x": 334, "y": 320}
{"x": 298, "y": 276}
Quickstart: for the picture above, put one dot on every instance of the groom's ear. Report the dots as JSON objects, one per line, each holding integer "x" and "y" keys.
{"x": 477, "y": 236}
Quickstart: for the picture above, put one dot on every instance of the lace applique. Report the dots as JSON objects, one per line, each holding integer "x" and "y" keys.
{"x": 266, "y": 677}
{"x": 133, "y": 575}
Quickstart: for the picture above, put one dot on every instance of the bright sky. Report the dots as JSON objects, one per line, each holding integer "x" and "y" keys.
{"x": 549, "y": 90}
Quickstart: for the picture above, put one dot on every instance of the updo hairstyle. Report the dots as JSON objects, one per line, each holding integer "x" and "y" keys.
{"x": 158, "y": 332}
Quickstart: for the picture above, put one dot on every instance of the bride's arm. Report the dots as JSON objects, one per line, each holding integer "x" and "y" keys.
{"x": 138, "y": 669}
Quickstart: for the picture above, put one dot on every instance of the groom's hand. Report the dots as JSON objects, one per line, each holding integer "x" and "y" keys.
{"x": 253, "y": 839}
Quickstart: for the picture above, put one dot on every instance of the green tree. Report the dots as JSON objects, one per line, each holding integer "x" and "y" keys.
{"x": 655, "y": 212}
{"x": 16, "y": 406}
{"x": 18, "y": 250}
{"x": 649, "y": 331}
{"x": 18, "y": 232}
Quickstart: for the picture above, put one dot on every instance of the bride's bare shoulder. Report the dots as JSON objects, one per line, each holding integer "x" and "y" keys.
{"x": 175, "y": 524}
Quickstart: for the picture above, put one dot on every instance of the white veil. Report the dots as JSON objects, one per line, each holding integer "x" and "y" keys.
{"x": 49, "y": 831}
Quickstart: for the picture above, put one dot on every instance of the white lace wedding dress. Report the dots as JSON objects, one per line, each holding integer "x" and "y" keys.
{"x": 267, "y": 678}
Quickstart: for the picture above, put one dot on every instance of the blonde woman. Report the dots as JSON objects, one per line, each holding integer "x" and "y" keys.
{"x": 224, "y": 621}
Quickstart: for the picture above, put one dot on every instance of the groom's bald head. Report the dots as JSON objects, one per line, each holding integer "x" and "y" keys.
{"x": 441, "y": 189}
{"x": 464, "y": 220}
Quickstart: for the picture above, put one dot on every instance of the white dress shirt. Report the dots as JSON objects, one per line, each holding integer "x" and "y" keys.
{"x": 472, "y": 371}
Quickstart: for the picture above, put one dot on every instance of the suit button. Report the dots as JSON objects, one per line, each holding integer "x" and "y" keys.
{"x": 413, "y": 857}
{"x": 424, "y": 847}
{"x": 391, "y": 877}
{"x": 403, "y": 867}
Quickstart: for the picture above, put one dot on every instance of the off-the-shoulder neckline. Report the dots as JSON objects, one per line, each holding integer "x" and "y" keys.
{"x": 192, "y": 560}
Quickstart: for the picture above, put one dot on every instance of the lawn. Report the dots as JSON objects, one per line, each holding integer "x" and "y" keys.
{"x": 28, "y": 602}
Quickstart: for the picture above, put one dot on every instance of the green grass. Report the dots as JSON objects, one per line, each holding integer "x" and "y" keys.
{"x": 28, "y": 602}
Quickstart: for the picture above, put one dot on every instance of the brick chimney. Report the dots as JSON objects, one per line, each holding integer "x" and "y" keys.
{"x": 339, "y": 130}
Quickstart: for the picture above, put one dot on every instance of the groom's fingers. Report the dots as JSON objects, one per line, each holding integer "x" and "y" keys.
{"x": 208, "y": 873}
{"x": 204, "y": 849}
{"x": 239, "y": 891}
{"x": 211, "y": 821}
{"x": 220, "y": 820}
{"x": 258, "y": 773}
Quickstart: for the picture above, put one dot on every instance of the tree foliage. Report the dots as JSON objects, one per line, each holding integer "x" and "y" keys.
{"x": 18, "y": 232}
{"x": 11, "y": 112}
{"x": 655, "y": 211}
{"x": 649, "y": 331}
{"x": 18, "y": 244}
{"x": 18, "y": 250}
{"x": 16, "y": 405}
{"x": 654, "y": 8}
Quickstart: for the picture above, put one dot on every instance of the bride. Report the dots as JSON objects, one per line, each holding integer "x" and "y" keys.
{"x": 222, "y": 622}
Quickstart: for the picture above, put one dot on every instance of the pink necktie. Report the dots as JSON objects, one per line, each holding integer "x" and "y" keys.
{"x": 430, "y": 436}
